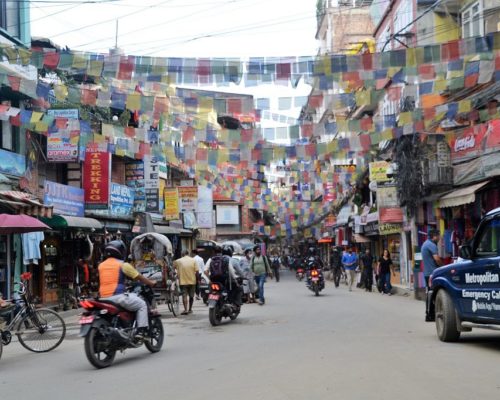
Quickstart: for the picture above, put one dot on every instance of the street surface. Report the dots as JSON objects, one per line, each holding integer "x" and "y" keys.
{"x": 341, "y": 345}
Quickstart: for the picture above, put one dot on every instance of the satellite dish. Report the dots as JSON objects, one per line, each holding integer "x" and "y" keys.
{"x": 373, "y": 186}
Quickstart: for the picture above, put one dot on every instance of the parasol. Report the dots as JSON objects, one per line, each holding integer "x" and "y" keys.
{"x": 20, "y": 224}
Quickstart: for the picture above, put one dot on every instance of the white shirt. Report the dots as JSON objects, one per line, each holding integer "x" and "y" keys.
{"x": 200, "y": 263}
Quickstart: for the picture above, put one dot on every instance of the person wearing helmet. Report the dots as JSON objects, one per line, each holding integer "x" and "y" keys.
{"x": 113, "y": 272}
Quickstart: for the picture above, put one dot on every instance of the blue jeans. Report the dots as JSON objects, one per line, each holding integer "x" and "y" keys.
{"x": 260, "y": 280}
{"x": 385, "y": 282}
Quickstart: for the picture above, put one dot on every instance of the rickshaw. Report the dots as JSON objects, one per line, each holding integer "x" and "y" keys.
{"x": 152, "y": 254}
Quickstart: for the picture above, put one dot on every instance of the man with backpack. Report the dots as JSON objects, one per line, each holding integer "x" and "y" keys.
{"x": 219, "y": 269}
{"x": 261, "y": 268}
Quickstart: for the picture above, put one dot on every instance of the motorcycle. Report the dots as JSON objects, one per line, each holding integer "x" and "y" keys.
{"x": 203, "y": 287}
{"x": 316, "y": 280}
{"x": 108, "y": 328}
{"x": 300, "y": 274}
{"x": 219, "y": 304}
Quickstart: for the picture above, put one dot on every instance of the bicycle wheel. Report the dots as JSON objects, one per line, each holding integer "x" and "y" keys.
{"x": 174, "y": 300}
{"x": 41, "y": 331}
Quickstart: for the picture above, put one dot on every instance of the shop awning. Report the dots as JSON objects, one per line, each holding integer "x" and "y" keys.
{"x": 357, "y": 238}
{"x": 325, "y": 240}
{"x": 24, "y": 203}
{"x": 461, "y": 196}
{"x": 169, "y": 230}
{"x": 64, "y": 222}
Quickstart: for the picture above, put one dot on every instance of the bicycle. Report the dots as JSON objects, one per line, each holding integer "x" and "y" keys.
{"x": 172, "y": 292}
{"x": 38, "y": 329}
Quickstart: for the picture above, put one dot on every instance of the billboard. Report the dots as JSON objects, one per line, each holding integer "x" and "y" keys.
{"x": 96, "y": 176}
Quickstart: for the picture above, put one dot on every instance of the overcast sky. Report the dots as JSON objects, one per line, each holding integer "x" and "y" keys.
{"x": 182, "y": 28}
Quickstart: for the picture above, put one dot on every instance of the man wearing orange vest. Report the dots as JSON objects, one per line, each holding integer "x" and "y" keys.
{"x": 113, "y": 272}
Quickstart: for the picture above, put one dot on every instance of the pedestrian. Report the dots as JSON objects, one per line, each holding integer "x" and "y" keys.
{"x": 350, "y": 263}
{"x": 261, "y": 269}
{"x": 384, "y": 269}
{"x": 249, "y": 288}
{"x": 201, "y": 269}
{"x": 430, "y": 255}
{"x": 186, "y": 268}
{"x": 367, "y": 270}
{"x": 431, "y": 259}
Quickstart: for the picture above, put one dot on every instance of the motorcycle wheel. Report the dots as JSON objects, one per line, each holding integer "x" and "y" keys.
{"x": 316, "y": 290}
{"x": 214, "y": 316}
{"x": 97, "y": 349}
{"x": 1, "y": 348}
{"x": 157, "y": 335}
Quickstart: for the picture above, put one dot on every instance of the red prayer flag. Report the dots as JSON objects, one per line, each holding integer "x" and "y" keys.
{"x": 51, "y": 59}
{"x": 283, "y": 71}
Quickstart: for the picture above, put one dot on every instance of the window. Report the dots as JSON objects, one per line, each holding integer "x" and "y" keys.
{"x": 472, "y": 20}
{"x": 488, "y": 243}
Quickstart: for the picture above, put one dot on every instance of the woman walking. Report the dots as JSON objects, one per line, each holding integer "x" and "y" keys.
{"x": 384, "y": 269}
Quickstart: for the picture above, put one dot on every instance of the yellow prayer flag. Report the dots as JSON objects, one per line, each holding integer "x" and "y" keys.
{"x": 61, "y": 92}
{"x": 134, "y": 101}
{"x": 405, "y": 118}
{"x": 464, "y": 106}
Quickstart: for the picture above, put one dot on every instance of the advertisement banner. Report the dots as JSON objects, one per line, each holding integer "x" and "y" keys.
{"x": 171, "y": 198}
{"x": 188, "y": 198}
{"x": 96, "y": 176}
{"x": 122, "y": 200}
{"x": 378, "y": 171}
{"x": 62, "y": 146}
{"x": 66, "y": 200}
{"x": 387, "y": 196}
{"x": 390, "y": 215}
{"x": 205, "y": 207}
{"x": 228, "y": 215}
{"x": 476, "y": 140}
{"x": 134, "y": 178}
{"x": 12, "y": 163}
{"x": 152, "y": 183}
{"x": 66, "y": 113}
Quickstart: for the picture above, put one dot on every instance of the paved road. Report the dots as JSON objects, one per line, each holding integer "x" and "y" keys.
{"x": 341, "y": 345}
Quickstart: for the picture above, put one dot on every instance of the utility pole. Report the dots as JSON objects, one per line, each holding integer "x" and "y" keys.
{"x": 116, "y": 35}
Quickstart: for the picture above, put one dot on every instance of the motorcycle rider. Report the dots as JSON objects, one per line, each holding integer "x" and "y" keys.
{"x": 234, "y": 287}
{"x": 336, "y": 263}
{"x": 113, "y": 272}
{"x": 311, "y": 260}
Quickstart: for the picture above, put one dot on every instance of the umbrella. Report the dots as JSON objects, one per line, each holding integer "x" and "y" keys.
{"x": 20, "y": 224}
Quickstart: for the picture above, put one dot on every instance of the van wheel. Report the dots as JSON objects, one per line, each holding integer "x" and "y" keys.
{"x": 446, "y": 320}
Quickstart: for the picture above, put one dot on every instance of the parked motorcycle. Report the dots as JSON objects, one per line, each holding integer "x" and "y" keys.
{"x": 300, "y": 274}
{"x": 108, "y": 328}
{"x": 316, "y": 280}
{"x": 220, "y": 305}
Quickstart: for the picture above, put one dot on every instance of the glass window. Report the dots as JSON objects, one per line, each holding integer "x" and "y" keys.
{"x": 488, "y": 243}
{"x": 472, "y": 20}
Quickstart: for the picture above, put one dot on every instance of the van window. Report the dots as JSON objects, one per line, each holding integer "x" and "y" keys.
{"x": 488, "y": 243}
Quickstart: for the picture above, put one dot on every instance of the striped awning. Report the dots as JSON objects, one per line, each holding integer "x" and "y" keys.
{"x": 24, "y": 203}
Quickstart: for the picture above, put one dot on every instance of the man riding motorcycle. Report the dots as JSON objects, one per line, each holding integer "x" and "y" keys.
{"x": 232, "y": 277}
{"x": 113, "y": 272}
{"x": 312, "y": 260}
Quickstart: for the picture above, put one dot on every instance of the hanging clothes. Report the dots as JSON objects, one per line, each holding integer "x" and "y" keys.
{"x": 31, "y": 247}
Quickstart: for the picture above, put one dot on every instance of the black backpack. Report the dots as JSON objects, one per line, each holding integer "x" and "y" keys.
{"x": 219, "y": 268}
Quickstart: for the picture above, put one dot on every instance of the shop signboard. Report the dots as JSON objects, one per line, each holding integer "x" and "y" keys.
{"x": 205, "y": 208}
{"x": 378, "y": 171}
{"x": 96, "y": 176}
{"x": 67, "y": 113}
{"x": 134, "y": 178}
{"x": 66, "y": 200}
{"x": 387, "y": 196}
{"x": 389, "y": 229}
{"x": 62, "y": 146}
{"x": 228, "y": 215}
{"x": 476, "y": 141}
{"x": 394, "y": 214}
{"x": 189, "y": 220}
{"x": 171, "y": 199}
{"x": 121, "y": 200}
{"x": 188, "y": 198}
{"x": 12, "y": 163}
{"x": 152, "y": 183}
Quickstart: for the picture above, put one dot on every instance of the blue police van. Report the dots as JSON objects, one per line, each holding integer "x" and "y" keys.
{"x": 466, "y": 294}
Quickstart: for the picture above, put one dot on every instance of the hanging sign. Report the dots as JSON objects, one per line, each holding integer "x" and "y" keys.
{"x": 122, "y": 200}
{"x": 152, "y": 183}
{"x": 205, "y": 208}
{"x": 134, "y": 178}
{"x": 62, "y": 146}
{"x": 171, "y": 199}
{"x": 378, "y": 171}
{"x": 188, "y": 198}
{"x": 96, "y": 176}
